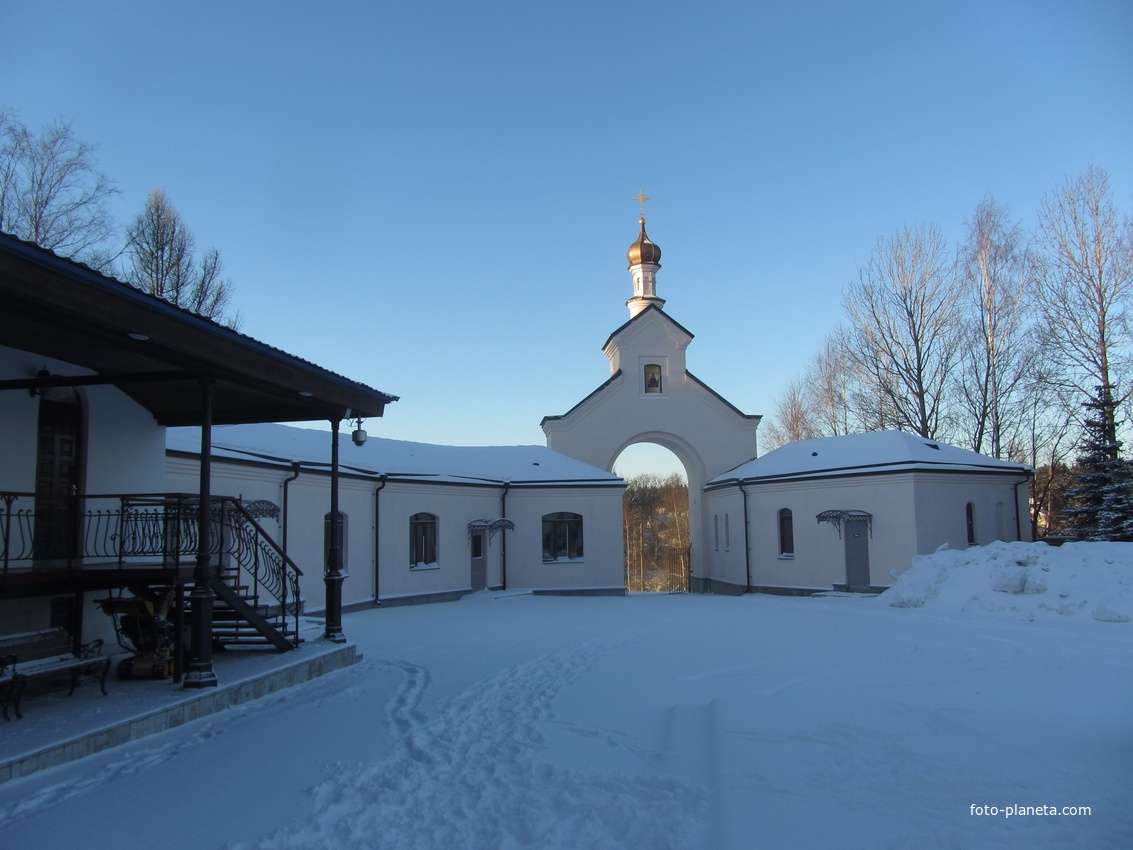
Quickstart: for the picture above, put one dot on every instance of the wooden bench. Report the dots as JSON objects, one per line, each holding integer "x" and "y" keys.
{"x": 43, "y": 654}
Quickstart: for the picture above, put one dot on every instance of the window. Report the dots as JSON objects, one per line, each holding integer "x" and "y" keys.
{"x": 422, "y": 540}
{"x": 562, "y": 537}
{"x": 969, "y": 516}
{"x": 652, "y": 378}
{"x": 786, "y": 534}
{"x": 716, "y": 532}
{"x": 727, "y": 533}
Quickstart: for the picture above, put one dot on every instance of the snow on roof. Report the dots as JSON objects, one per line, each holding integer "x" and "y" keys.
{"x": 877, "y": 451}
{"x": 395, "y": 458}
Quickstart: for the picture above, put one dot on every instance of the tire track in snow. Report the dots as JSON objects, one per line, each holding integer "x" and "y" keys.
{"x": 473, "y": 772}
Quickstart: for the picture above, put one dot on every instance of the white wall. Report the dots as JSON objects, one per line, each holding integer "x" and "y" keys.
{"x": 376, "y": 551}
{"x": 123, "y": 448}
{"x": 707, "y": 434}
{"x": 122, "y": 451}
{"x": 819, "y": 559}
{"x": 603, "y": 562}
{"x": 455, "y": 507}
{"x": 941, "y": 501}
{"x": 913, "y": 513}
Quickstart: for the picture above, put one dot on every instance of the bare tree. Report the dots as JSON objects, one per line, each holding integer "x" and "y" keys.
{"x": 1045, "y": 441}
{"x": 793, "y": 419}
{"x": 998, "y": 352}
{"x": 904, "y": 329}
{"x": 830, "y": 380}
{"x": 1085, "y": 273}
{"x": 52, "y": 194}
{"x": 163, "y": 262}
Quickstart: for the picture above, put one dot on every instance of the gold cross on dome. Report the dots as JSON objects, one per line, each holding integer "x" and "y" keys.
{"x": 641, "y": 199}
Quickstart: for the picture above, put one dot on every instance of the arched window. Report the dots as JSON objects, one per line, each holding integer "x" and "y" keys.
{"x": 786, "y": 534}
{"x": 970, "y": 518}
{"x": 422, "y": 540}
{"x": 562, "y": 536}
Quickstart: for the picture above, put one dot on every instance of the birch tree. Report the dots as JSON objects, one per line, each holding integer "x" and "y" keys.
{"x": 830, "y": 381}
{"x": 793, "y": 418}
{"x": 52, "y": 193}
{"x": 1085, "y": 275}
{"x": 997, "y": 354}
{"x": 904, "y": 329}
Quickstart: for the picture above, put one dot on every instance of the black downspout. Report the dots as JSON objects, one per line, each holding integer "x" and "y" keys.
{"x": 200, "y": 673}
{"x": 747, "y": 541}
{"x": 1015, "y": 490}
{"x": 377, "y": 543}
{"x": 295, "y": 467}
{"x": 503, "y": 537}
{"x": 333, "y": 576}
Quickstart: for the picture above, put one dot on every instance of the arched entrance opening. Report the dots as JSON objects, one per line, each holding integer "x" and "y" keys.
{"x": 656, "y": 526}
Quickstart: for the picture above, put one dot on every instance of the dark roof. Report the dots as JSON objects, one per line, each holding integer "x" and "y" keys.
{"x": 157, "y": 353}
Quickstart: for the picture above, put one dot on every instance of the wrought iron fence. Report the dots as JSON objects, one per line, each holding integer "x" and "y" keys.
{"x": 665, "y": 570}
{"x": 159, "y": 531}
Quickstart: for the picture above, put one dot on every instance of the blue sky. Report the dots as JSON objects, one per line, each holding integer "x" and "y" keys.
{"x": 436, "y": 198}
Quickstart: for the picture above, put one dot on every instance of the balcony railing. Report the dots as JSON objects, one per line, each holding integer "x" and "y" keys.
{"x": 154, "y": 531}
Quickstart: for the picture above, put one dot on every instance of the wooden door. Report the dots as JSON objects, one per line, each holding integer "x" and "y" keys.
{"x": 57, "y": 479}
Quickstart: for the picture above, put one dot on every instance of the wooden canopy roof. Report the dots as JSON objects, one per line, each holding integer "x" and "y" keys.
{"x": 157, "y": 353}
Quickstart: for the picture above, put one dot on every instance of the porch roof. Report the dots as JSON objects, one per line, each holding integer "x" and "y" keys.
{"x": 157, "y": 353}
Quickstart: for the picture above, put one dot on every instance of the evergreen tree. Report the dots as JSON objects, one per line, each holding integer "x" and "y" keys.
{"x": 1101, "y": 500}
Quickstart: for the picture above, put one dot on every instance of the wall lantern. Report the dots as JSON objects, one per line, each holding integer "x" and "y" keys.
{"x": 359, "y": 435}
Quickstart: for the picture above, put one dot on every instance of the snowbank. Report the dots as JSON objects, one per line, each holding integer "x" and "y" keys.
{"x": 1026, "y": 580}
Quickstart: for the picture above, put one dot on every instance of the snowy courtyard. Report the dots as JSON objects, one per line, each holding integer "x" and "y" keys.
{"x": 985, "y": 701}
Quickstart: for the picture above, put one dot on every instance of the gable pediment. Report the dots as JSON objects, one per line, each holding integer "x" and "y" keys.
{"x": 651, "y": 331}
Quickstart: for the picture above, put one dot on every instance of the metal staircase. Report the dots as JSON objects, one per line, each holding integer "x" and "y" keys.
{"x": 256, "y": 586}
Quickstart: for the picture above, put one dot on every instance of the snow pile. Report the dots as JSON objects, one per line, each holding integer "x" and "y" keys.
{"x": 1027, "y": 580}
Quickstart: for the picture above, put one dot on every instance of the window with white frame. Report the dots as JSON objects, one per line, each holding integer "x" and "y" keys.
{"x": 422, "y": 540}
{"x": 562, "y": 536}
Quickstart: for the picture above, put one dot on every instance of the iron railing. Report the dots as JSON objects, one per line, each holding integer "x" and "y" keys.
{"x": 157, "y": 531}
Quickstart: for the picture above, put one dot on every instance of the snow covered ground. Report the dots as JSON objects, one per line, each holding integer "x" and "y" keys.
{"x": 986, "y": 679}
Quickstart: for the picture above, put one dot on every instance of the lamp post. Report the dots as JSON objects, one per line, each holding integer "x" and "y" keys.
{"x": 333, "y": 576}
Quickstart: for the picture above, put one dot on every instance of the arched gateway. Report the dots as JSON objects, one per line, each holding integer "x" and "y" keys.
{"x": 651, "y": 397}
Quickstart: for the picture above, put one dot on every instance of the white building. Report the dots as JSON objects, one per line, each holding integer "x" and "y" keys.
{"x": 852, "y": 511}
{"x": 423, "y": 522}
{"x": 652, "y": 397}
{"x": 92, "y": 372}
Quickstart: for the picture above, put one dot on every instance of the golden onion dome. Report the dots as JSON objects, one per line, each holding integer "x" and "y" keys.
{"x": 643, "y": 250}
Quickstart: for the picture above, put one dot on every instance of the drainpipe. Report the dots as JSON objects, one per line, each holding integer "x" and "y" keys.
{"x": 295, "y": 467}
{"x": 377, "y": 542}
{"x": 747, "y": 542}
{"x": 1018, "y": 521}
{"x": 503, "y": 536}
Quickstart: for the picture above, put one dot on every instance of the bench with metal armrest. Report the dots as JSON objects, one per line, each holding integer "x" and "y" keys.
{"x": 43, "y": 654}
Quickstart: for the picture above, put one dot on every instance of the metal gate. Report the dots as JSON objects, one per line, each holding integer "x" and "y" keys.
{"x": 666, "y": 572}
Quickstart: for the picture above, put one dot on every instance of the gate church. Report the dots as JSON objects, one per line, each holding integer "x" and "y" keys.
{"x": 651, "y": 397}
